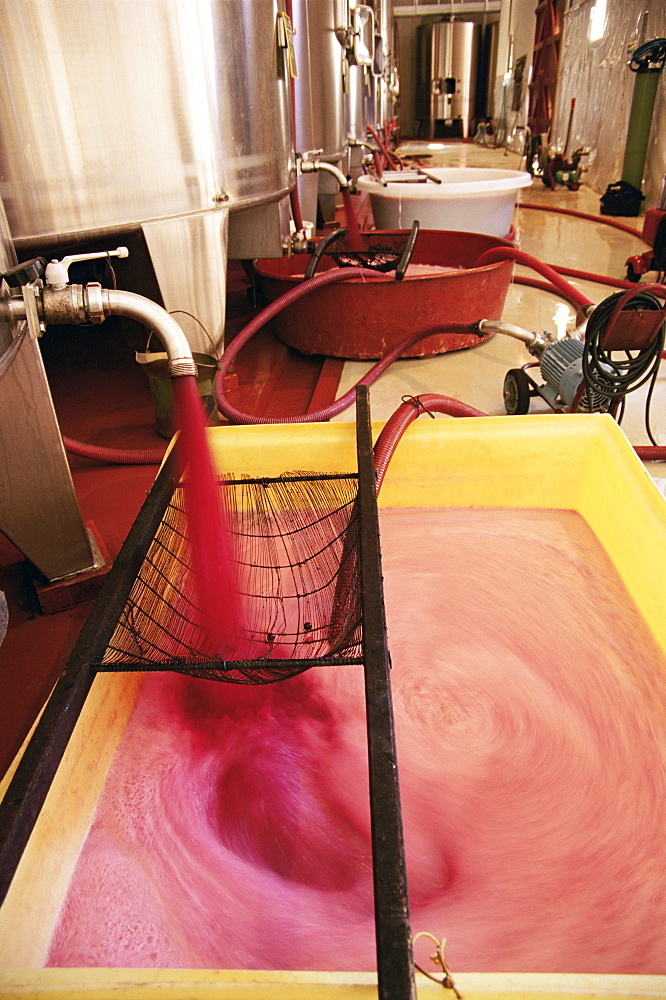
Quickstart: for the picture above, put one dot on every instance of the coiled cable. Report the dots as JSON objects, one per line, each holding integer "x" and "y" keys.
{"x": 605, "y": 373}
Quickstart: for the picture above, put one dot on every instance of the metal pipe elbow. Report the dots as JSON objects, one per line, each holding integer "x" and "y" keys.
{"x": 311, "y": 166}
{"x": 117, "y": 302}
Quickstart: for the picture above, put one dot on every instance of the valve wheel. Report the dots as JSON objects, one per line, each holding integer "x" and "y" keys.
{"x": 516, "y": 392}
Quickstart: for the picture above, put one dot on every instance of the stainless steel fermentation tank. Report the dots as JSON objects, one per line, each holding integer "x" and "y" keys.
{"x": 320, "y": 110}
{"x": 164, "y": 125}
{"x": 170, "y": 119}
{"x": 385, "y": 61}
{"x": 452, "y": 77}
{"x": 372, "y": 84}
{"x": 39, "y": 510}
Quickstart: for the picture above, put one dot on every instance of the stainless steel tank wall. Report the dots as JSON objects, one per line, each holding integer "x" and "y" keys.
{"x": 115, "y": 112}
{"x": 320, "y": 108}
{"x": 320, "y": 113}
{"x": 373, "y": 88}
{"x": 165, "y": 116}
{"x": 360, "y": 96}
{"x": 387, "y": 80}
{"x": 39, "y": 512}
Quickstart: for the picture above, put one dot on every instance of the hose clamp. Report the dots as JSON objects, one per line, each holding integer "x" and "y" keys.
{"x": 94, "y": 302}
{"x": 418, "y": 405}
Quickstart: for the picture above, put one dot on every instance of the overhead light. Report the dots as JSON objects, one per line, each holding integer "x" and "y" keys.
{"x": 597, "y": 21}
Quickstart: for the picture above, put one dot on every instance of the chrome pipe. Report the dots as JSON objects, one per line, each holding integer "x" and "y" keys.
{"x": 91, "y": 303}
{"x": 310, "y": 166}
{"x": 535, "y": 342}
{"x": 117, "y": 302}
{"x": 360, "y": 143}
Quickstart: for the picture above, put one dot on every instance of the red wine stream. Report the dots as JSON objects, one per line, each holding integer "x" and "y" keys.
{"x": 353, "y": 230}
{"x": 212, "y": 570}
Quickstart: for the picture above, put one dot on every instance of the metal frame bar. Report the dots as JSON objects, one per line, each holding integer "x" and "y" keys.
{"x": 28, "y": 788}
{"x": 395, "y": 958}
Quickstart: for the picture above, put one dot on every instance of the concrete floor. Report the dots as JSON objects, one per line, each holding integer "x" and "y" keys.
{"x": 476, "y": 375}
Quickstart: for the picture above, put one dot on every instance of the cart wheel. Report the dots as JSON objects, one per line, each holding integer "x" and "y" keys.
{"x": 516, "y": 392}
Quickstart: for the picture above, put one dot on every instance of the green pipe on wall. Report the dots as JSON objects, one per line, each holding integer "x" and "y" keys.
{"x": 640, "y": 122}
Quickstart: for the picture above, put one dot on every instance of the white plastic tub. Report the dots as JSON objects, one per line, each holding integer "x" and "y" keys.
{"x": 468, "y": 199}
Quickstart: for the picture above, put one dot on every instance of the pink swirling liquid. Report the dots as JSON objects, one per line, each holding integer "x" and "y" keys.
{"x": 233, "y": 830}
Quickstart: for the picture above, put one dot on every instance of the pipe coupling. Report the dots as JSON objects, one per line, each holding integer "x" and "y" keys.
{"x": 65, "y": 305}
{"x": 182, "y": 366}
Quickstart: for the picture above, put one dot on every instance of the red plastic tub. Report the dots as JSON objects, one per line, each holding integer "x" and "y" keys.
{"x": 359, "y": 319}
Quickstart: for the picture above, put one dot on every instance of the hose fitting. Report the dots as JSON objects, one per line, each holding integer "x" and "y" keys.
{"x": 308, "y": 166}
{"x": 535, "y": 343}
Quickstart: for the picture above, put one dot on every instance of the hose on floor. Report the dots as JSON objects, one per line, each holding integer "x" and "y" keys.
{"x": 413, "y": 407}
{"x": 583, "y": 215}
{"x": 293, "y": 295}
{"x": 114, "y": 456}
{"x": 555, "y": 283}
{"x": 497, "y": 254}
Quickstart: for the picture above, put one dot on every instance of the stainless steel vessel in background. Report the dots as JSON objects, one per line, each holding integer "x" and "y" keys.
{"x": 385, "y": 61}
{"x": 373, "y": 74}
{"x": 164, "y": 116}
{"x": 446, "y": 77}
{"x": 361, "y": 96}
{"x": 320, "y": 110}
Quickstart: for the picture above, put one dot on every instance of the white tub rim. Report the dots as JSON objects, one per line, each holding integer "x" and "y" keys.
{"x": 500, "y": 180}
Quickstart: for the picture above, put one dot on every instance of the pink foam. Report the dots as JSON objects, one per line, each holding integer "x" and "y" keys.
{"x": 233, "y": 830}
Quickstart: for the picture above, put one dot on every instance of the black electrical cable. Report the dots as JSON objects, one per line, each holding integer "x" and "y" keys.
{"x": 614, "y": 378}
{"x": 650, "y": 55}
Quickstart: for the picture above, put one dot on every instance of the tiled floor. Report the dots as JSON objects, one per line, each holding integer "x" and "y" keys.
{"x": 102, "y": 397}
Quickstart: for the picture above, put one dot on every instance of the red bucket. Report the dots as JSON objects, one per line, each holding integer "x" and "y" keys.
{"x": 365, "y": 319}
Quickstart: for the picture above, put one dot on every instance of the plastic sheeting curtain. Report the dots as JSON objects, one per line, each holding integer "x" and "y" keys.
{"x": 598, "y": 76}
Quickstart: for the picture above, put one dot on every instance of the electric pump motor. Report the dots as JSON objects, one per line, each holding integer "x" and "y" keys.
{"x": 561, "y": 365}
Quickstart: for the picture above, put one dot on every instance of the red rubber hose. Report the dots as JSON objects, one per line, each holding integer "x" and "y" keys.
{"x": 545, "y": 286}
{"x": 114, "y": 456}
{"x": 584, "y": 215}
{"x": 410, "y": 409}
{"x": 295, "y": 293}
{"x": 601, "y": 279}
{"x": 392, "y": 161}
{"x": 497, "y": 254}
{"x": 399, "y": 421}
{"x": 651, "y": 452}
